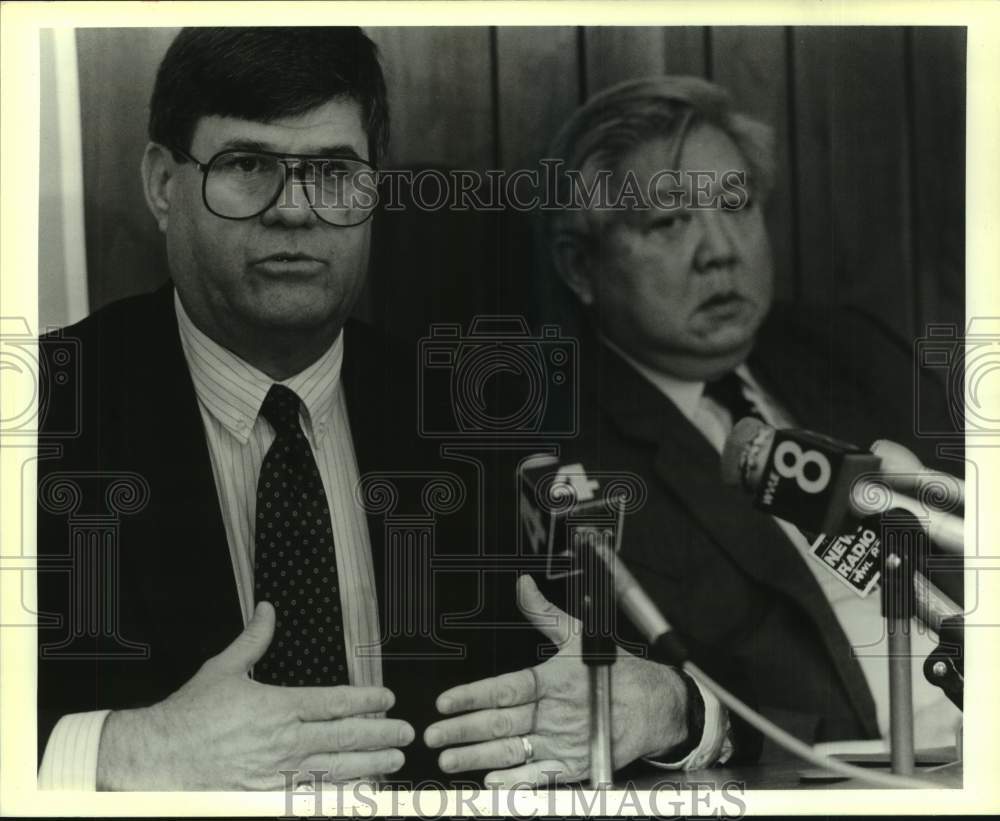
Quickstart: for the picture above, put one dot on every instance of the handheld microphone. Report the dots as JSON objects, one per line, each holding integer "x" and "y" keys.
{"x": 821, "y": 484}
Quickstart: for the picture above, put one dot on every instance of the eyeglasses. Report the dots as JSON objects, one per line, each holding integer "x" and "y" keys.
{"x": 239, "y": 185}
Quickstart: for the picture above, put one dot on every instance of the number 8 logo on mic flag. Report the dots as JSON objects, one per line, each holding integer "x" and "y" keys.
{"x": 807, "y": 479}
{"x": 800, "y": 462}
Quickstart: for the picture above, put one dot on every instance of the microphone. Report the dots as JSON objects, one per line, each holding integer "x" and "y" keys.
{"x": 817, "y": 484}
{"x": 821, "y": 484}
{"x": 576, "y": 518}
{"x": 903, "y": 471}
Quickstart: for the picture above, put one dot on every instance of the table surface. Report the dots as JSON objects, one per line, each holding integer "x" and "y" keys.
{"x": 782, "y": 775}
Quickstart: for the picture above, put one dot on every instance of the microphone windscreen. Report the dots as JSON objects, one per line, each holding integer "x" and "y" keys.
{"x": 895, "y": 458}
{"x": 742, "y": 434}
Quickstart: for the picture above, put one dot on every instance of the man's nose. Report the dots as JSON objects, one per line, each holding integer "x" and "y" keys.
{"x": 715, "y": 245}
{"x": 293, "y": 207}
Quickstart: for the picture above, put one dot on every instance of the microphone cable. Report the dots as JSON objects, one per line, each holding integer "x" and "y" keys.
{"x": 798, "y": 748}
{"x": 649, "y": 620}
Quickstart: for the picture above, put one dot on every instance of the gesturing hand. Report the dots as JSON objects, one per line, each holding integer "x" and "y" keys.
{"x": 548, "y": 706}
{"x": 223, "y": 731}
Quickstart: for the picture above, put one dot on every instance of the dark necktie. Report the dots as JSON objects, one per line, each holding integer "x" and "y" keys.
{"x": 728, "y": 392}
{"x": 295, "y": 566}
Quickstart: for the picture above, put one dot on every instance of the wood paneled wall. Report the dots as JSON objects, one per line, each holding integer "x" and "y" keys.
{"x": 870, "y": 126}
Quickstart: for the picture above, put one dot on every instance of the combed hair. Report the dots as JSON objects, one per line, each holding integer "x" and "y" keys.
{"x": 614, "y": 122}
{"x": 264, "y": 74}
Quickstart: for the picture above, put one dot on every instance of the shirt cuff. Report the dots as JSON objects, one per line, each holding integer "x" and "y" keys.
{"x": 715, "y": 746}
{"x": 70, "y": 760}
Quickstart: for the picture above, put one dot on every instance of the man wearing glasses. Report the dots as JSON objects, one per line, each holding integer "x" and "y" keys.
{"x": 246, "y": 405}
{"x": 240, "y": 406}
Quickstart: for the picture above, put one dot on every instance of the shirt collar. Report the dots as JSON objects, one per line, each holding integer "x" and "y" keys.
{"x": 685, "y": 394}
{"x": 233, "y": 390}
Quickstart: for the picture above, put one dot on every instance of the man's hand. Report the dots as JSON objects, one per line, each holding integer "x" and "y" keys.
{"x": 549, "y": 704}
{"x": 223, "y": 731}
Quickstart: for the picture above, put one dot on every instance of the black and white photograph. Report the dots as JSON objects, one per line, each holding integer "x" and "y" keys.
{"x": 451, "y": 415}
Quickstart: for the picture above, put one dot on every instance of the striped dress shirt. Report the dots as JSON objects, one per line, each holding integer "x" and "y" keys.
{"x": 230, "y": 393}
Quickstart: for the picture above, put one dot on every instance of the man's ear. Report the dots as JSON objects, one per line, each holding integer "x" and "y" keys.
{"x": 158, "y": 170}
{"x": 571, "y": 256}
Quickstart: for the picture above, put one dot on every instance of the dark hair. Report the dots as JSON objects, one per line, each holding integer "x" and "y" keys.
{"x": 264, "y": 74}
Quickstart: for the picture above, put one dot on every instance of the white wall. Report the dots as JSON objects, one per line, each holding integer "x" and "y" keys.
{"x": 62, "y": 260}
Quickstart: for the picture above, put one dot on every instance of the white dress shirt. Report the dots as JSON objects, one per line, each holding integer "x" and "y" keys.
{"x": 230, "y": 393}
{"x": 935, "y": 717}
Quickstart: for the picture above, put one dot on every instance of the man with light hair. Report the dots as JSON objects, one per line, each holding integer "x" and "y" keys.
{"x": 665, "y": 251}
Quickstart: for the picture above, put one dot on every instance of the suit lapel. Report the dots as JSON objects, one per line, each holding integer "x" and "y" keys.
{"x": 360, "y": 376}
{"x": 689, "y": 466}
{"x": 797, "y": 374}
{"x": 801, "y": 369}
{"x": 192, "y": 571}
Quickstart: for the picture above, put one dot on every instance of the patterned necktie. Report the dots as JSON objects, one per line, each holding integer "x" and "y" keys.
{"x": 295, "y": 566}
{"x": 728, "y": 392}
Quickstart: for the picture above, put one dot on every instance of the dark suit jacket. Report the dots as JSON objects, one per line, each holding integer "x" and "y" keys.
{"x": 724, "y": 574}
{"x": 125, "y": 460}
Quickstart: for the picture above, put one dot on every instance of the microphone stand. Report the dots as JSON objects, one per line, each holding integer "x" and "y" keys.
{"x": 599, "y": 653}
{"x": 900, "y": 535}
{"x": 945, "y": 666}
